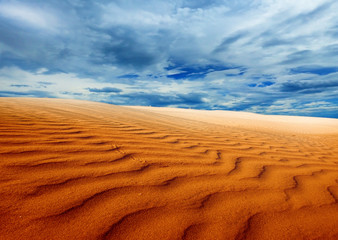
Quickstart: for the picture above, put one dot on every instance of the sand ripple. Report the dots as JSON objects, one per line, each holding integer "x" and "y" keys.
{"x": 81, "y": 170}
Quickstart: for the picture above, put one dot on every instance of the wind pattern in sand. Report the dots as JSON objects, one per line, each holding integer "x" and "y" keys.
{"x": 81, "y": 170}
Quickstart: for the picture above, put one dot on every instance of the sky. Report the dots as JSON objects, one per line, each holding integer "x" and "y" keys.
{"x": 262, "y": 56}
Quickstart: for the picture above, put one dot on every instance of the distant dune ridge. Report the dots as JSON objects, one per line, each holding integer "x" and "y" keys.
{"x": 75, "y": 169}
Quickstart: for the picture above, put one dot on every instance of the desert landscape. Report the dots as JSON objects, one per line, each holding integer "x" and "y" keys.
{"x": 74, "y": 169}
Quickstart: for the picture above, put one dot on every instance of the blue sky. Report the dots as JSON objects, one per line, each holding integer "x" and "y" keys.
{"x": 264, "y": 56}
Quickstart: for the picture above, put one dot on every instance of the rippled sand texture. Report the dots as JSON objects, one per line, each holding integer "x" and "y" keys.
{"x": 81, "y": 170}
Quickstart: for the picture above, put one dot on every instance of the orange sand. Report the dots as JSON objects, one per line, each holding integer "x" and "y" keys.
{"x": 81, "y": 170}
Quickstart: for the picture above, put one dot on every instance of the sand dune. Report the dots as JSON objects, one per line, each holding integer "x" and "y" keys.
{"x": 82, "y": 170}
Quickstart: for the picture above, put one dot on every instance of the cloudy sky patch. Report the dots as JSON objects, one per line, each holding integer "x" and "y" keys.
{"x": 266, "y": 56}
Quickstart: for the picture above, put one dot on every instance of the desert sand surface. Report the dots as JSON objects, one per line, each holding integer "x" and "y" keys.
{"x": 74, "y": 169}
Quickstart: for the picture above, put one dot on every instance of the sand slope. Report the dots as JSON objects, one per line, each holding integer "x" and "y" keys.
{"x": 81, "y": 170}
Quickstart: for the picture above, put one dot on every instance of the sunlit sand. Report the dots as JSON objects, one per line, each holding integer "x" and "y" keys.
{"x": 82, "y": 170}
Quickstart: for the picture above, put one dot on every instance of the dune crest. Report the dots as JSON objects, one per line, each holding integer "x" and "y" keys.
{"x": 82, "y": 170}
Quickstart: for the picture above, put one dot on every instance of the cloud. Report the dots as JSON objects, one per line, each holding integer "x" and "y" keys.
{"x": 261, "y": 84}
{"x": 195, "y": 72}
{"x": 198, "y": 4}
{"x": 309, "y": 108}
{"x": 40, "y": 94}
{"x": 124, "y": 50}
{"x": 105, "y": 90}
{"x": 162, "y": 100}
{"x": 314, "y": 70}
{"x": 256, "y": 55}
{"x": 301, "y": 85}
{"x": 129, "y": 76}
{"x": 27, "y": 15}
{"x": 19, "y": 85}
{"x": 45, "y": 83}
{"x": 53, "y": 84}
{"x": 228, "y": 41}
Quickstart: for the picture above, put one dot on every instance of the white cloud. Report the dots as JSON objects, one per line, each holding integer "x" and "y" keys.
{"x": 41, "y": 70}
{"x": 60, "y": 84}
{"x": 115, "y": 15}
{"x": 29, "y": 15}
